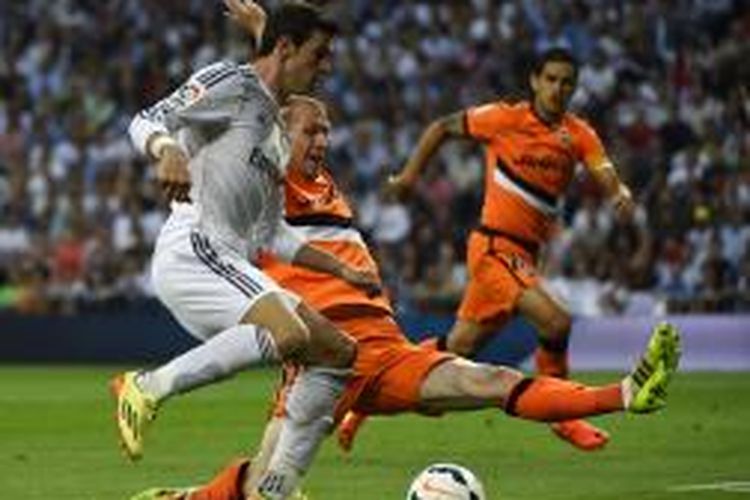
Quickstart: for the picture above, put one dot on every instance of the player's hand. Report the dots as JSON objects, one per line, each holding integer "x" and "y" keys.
{"x": 364, "y": 280}
{"x": 623, "y": 203}
{"x": 399, "y": 186}
{"x": 172, "y": 173}
{"x": 248, "y": 15}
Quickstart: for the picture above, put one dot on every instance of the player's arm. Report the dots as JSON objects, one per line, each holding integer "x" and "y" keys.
{"x": 325, "y": 262}
{"x": 616, "y": 191}
{"x": 249, "y": 16}
{"x": 432, "y": 138}
{"x": 152, "y": 137}
{"x": 200, "y": 100}
{"x": 605, "y": 174}
{"x": 289, "y": 246}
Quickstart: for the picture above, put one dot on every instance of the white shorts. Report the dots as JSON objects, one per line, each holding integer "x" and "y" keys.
{"x": 207, "y": 286}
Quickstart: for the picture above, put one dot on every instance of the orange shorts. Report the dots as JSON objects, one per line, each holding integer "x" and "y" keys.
{"x": 499, "y": 270}
{"x": 388, "y": 372}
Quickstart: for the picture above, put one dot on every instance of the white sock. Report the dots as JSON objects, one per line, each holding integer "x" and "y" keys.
{"x": 626, "y": 386}
{"x": 278, "y": 484}
{"x": 295, "y": 449}
{"x": 309, "y": 417}
{"x": 220, "y": 357}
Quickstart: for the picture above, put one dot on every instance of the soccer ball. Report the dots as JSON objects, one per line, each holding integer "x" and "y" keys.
{"x": 446, "y": 482}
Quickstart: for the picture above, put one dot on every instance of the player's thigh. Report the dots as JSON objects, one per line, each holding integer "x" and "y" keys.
{"x": 491, "y": 294}
{"x": 546, "y": 313}
{"x": 329, "y": 345}
{"x": 301, "y": 333}
{"x": 489, "y": 300}
{"x": 395, "y": 383}
{"x": 206, "y": 289}
{"x": 461, "y": 384}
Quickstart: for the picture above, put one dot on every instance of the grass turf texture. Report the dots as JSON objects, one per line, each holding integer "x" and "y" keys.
{"x": 57, "y": 440}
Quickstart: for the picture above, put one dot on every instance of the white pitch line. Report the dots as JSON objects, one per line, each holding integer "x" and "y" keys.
{"x": 726, "y": 486}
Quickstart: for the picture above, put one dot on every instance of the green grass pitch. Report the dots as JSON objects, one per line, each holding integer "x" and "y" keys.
{"x": 57, "y": 440}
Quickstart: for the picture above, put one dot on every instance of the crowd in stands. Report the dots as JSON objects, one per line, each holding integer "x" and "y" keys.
{"x": 665, "y": 83}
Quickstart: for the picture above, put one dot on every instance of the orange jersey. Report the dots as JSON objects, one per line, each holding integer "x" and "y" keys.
{"x": 529, "y": 164}
{"x": 318, "y": 210}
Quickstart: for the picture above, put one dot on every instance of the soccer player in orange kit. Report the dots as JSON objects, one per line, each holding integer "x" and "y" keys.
{"x": 532, "y": 149}
{"x": 391, "y": 375}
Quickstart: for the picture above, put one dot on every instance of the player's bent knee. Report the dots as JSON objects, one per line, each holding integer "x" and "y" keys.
{"x": 463, "y": 345}
{"x": 466, "y": 336}
{"x": 329, "y": 346}
{"x": 345, "y": 355}
{"x": 334, "y": 348}
{"x": 290, "y": 333}
{"x": 559, "y": 327}
{"x": 292, "y": 342}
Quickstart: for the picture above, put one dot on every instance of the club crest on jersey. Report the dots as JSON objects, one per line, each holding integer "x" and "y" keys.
{"x": 519, "y": 265}
{"x": 187, "y": 95}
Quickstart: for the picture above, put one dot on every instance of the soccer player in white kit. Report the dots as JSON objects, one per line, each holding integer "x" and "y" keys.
{"x": 220, "y": 151}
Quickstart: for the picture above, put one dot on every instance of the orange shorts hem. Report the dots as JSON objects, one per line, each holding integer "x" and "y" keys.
{"x": 388, "y": 372}
{"x": 396, "y": 388}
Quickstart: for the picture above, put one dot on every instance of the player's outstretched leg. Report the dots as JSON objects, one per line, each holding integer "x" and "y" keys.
{"x": 134, "y": 411}
{"x": 642, "y": 391}
{"x": 663, "y": 347}
{"x": 352, "y": 423}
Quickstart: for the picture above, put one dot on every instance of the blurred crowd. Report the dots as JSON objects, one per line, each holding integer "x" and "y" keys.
{"x": 665, "y": 83}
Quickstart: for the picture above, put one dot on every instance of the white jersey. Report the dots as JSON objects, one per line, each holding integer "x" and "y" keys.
{"x": 229, "y": 125}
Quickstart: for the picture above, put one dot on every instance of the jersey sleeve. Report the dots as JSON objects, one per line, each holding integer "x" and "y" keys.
{"x": 287, "y": 242}
{"x": 483, "y": 122}
{"x": 591, "y": 151}
{"x": 207, "y": 97}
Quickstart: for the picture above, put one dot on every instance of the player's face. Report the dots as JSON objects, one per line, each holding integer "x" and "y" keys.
{"x": 308, "y": 63}
{"x": 553, "y": 87}
{"x": 308, "y": 132}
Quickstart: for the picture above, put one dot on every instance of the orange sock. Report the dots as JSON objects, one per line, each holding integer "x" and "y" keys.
{"x": 548, "y": 399}
{"x": 551, "y": 363}
{"x": 226, "y": 485}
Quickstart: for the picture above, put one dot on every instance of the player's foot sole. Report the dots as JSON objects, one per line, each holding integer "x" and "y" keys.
{"x": 664, "y": 346}
{"x": 347, "y": 430}
{"x": 581, "y": 434}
